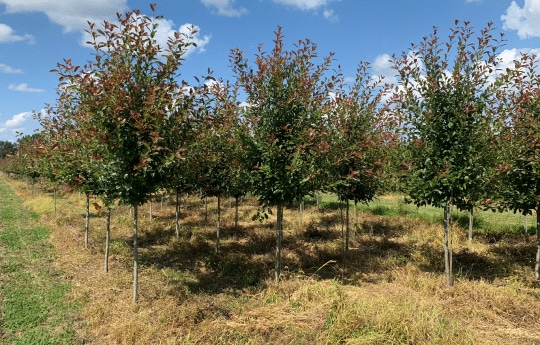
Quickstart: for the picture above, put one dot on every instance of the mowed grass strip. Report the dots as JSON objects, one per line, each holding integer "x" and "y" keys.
{"x": 33, "y": 305}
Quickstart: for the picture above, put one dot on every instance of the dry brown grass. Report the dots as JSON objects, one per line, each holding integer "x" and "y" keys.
{"x": 390, "y": 290}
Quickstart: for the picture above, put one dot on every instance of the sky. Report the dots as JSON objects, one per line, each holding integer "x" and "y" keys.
{"x": 37, "y": 34}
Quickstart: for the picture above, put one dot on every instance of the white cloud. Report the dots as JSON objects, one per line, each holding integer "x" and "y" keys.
{"x": 23, "y": 87}
{"x": 225, "y": 7}
{"x": 312, "y": 5}
{"x": 71, "y": 15}
{"x": 7, "y": 35}
{"x": 525, "y": 20}
{"x": 193, "y": 33}
{"x": 303, "y": 4}
{"x": 18, "y": 119}
{"x": 9, "y": 70}
{"x": 471, "y": 1}
{"x": 382, "y": 66}
{"x": 330, "y": 15}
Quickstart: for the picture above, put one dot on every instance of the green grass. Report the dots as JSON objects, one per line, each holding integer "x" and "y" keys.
{"x": 485, "y": 222}
{"x": 33, "y": 301}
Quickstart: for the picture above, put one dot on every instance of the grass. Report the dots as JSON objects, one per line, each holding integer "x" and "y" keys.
{"x": 34, "y": 309}
{"x": 390, "y": 290}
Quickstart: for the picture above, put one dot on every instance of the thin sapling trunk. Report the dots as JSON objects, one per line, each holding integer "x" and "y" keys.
{"x": 448, "y": 245}
{"x": 107, "y": 240}
{"x": 135, "y": 255}
{"x": 279, "y": 237}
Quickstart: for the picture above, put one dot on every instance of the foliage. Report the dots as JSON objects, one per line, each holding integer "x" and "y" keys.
{"x": 448, "y": 123}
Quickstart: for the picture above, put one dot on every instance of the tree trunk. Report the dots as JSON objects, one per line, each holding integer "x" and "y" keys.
{"x": 151, "y": 213}
{"x": 471, "y": 220}
{"x": 135, "y": 255}
{"x": 537, "y": 266}
{"x": 236, "y": 214}
{"x": 301, "y": 209}
{"x": 355, "y": 218}
{"x": 347, "y": 229}
{"x": 87, "y": 220}
{"x": 218, "y": 227}
{"x": 525, "y": 228}
{"x": 177, "y": 214}
{"x": 54, "y": 197}
{"x": 448, "y": 245}
{"x": 279, "y": 237}
{"x": 107, "y": 240}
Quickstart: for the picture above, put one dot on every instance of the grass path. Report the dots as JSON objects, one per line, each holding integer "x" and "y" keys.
{"x": 33, "y": 303}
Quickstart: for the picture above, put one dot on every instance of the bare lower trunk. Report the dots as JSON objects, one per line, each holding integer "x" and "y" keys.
{"x": 107, "y": 240}
{"x": 151, "y": 210}
{"x": 218, "y": 227}
{"x": 448, "y": 245}
{"x": 54, "y": 197}
{"x": 87, "y": 220}
{"x": 279, "y": 237}
{"x": 135, "y": 255}
{"x": 355, "y": 218}
{"x": 177, "y": 214}
{"x": 471, "y": 220}
{"x": 525, "y": 229}
{"x": 236, "y": 213}
{"x": 537, "y": 266}
{"x": 301, "y": 211}
{"x": 347, "y": 229}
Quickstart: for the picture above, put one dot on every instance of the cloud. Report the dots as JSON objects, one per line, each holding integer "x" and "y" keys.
{"x": 311, "y": 5}
{"x": 7, "y": 35}
{"x": 472, "y": 1}
{"x": 382, "y": 66}
{"x": 23, "y": 88}
{"x": 193, "y": 33}
{"x": 525, "y": 20}
{"x": 18, "y": 119}
{"x": 9, "y": 70}
{"x": 330, "y": 15}
{"x": 305, "y": 5}
{"x": 225, "y": 8}
{"x": 71, "y": 15}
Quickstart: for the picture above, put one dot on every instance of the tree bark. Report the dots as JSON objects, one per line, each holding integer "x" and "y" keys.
{"x": 87, "y": 220}
{"x": 236, "y": 213}
{"x": 218, "y": 227}
{"x": 355, "y": 218}
{"x": 448, "y": 245}
{"x": 471, "y": 220}
{"x": 135, "y": 255}
{"x": 177, "y": 214}
{"x": 537, "y": 266}
{"x": 54, "y": 197}
{"x": 347, "y": 229}
{"x": 279, "y": 237}
{"x": 107, "y": 240}
{"x": 525, "y": 228}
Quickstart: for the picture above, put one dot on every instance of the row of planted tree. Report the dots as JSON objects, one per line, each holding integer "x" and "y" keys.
{"x": 454, "y": 130}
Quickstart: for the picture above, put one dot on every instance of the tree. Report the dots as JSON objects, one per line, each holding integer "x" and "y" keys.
{"x": 125, "y": 91}
{"x": 447, "y": 120}
{"x": 285, "y": 95}
{"x": 359, "y": 135}
{"x": 7, "y": 148}
{"x": 519, "y": 168}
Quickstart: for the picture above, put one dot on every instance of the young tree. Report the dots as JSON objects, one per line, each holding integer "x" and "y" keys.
{"x": 357, "y": 122}
{"x": 446, "y": 89}
{"x": 519, "y": 169}
{"x": 285, "y": 92}
{"x": 126, "y": 93}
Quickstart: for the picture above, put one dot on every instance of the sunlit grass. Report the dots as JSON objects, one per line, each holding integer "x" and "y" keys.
{"x": 390, "y": 290}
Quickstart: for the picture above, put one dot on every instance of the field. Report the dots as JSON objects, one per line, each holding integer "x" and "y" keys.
{"x": 390, "y": 290}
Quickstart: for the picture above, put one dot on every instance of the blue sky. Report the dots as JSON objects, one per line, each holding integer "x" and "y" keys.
{"x": 36, "y": 34}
